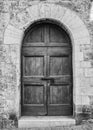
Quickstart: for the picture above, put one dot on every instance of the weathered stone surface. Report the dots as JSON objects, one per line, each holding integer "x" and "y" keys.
{"x": 89, "y": 72}
{"x": 15, "y": 17}
{"x": 85, "y": 64}
{"x": 78, "y": 102}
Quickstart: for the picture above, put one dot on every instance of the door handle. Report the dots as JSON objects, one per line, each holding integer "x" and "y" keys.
{"x": 47, "y": 78}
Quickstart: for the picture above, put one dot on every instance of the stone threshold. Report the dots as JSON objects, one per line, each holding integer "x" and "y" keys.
{"x": 45, "y": 121}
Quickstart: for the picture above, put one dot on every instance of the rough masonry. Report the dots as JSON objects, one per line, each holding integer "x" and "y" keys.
{"x": 15, "y": 17}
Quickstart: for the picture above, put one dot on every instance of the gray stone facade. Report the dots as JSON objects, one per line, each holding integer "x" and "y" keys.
{"x": 15, "y": 17}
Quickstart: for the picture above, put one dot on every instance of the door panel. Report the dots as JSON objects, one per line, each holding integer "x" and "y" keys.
{"x": 56, "y": 66}
{"x": 59, "y": 65}
{"x": 33, "y": 95}
{"x": 66, "y": 65}
{"x": 34, "y": 99}
{"x": 34, "y": 66}
{"x": 57, "y": 35}
{"x": 35, "y": 35}
{"x": 59, "y": 94}
{"x": 46, "y": 72}
{"x": 60, "y": 97}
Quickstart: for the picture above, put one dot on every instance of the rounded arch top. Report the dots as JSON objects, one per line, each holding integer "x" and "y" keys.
{"x": 70, "y": 20}
{"x": 56, "y": 33}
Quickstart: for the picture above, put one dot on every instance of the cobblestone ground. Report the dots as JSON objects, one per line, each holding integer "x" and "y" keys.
{"x": 87, "y": 126}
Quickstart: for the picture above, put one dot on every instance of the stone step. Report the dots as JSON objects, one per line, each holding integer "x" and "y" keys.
{"x": 45, "y": 121}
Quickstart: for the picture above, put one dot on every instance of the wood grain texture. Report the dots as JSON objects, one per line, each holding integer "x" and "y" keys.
{"x": 34, "y": 66}
{"x": 47, "y": 72}
{"x": 33, "y": 94}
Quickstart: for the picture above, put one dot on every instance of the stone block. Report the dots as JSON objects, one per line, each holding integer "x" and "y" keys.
{"x": 54, "y": 11}
{"x": 5, "y": 54}
{"x": 33, "y": 12}
{"x": 91, "y": 99}
{"x": 24, "y": 17}
{"x": 76, "y": 47}
{"x": 85, "y": 47}
{"x": 68, "y": 17}
{"x": 78, "y": 100}
{"x": 80, "y": 34}
{"x": 90, "y": 91}
{"x": 89, "y": 72}
{"x": 80, "y": 117}
{"x": 85, "y": 82}
{"x": 79, "y": 56}
{"x": 14, "y": 54}
{"x": 91, "y": 12}
{"x": 45, "y": 10}
{"x": 58, "y": 12}
{"x": 79, "y": 30}
{"x": 82, "y": 41}
{"x": 22, "y": 4}
{"x": 79, "y": 72}
{"x": 1, "y": 34}
{"x": 45, "y": 122}
{"x": 85, "y": 100}
{"x": 88, "y": 55}
{"x": 78, "y": 108}
{"x": 87, "y": 90}
{"x": 77, "y": 65}
{"x": 12, "y": 35}
{"x": 91, "y": 81}
{"x": 85, "y": 64}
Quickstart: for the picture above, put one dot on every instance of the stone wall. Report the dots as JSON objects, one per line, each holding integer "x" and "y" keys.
{"x": 9, "y": 64}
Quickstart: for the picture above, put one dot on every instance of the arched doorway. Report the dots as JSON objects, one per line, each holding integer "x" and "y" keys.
{"x": 46, "y": 71}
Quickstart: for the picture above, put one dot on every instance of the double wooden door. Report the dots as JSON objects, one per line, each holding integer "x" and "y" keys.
{"x": 46, "y": 72}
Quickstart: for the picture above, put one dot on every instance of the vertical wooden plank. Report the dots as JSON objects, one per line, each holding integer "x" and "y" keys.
{"x": 56, "y": 65}
{"x": 66, "y": 66}
{"x": 34, "y": 66}
{"x": 46, "y": 34}
{"x": 60, "y": 94}
{"x": 33, "y": 94}
{"x": 58, "y": 35}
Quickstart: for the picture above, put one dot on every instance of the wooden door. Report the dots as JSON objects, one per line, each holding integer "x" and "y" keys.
{"x": 46, "y": 72}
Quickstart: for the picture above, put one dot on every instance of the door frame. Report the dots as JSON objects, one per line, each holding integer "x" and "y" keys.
{"x": 77, "y": 30}
{"x": 61, "y": 26}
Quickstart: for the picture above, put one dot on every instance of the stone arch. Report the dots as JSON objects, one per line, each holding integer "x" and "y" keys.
{"x": 76, "y": 28}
